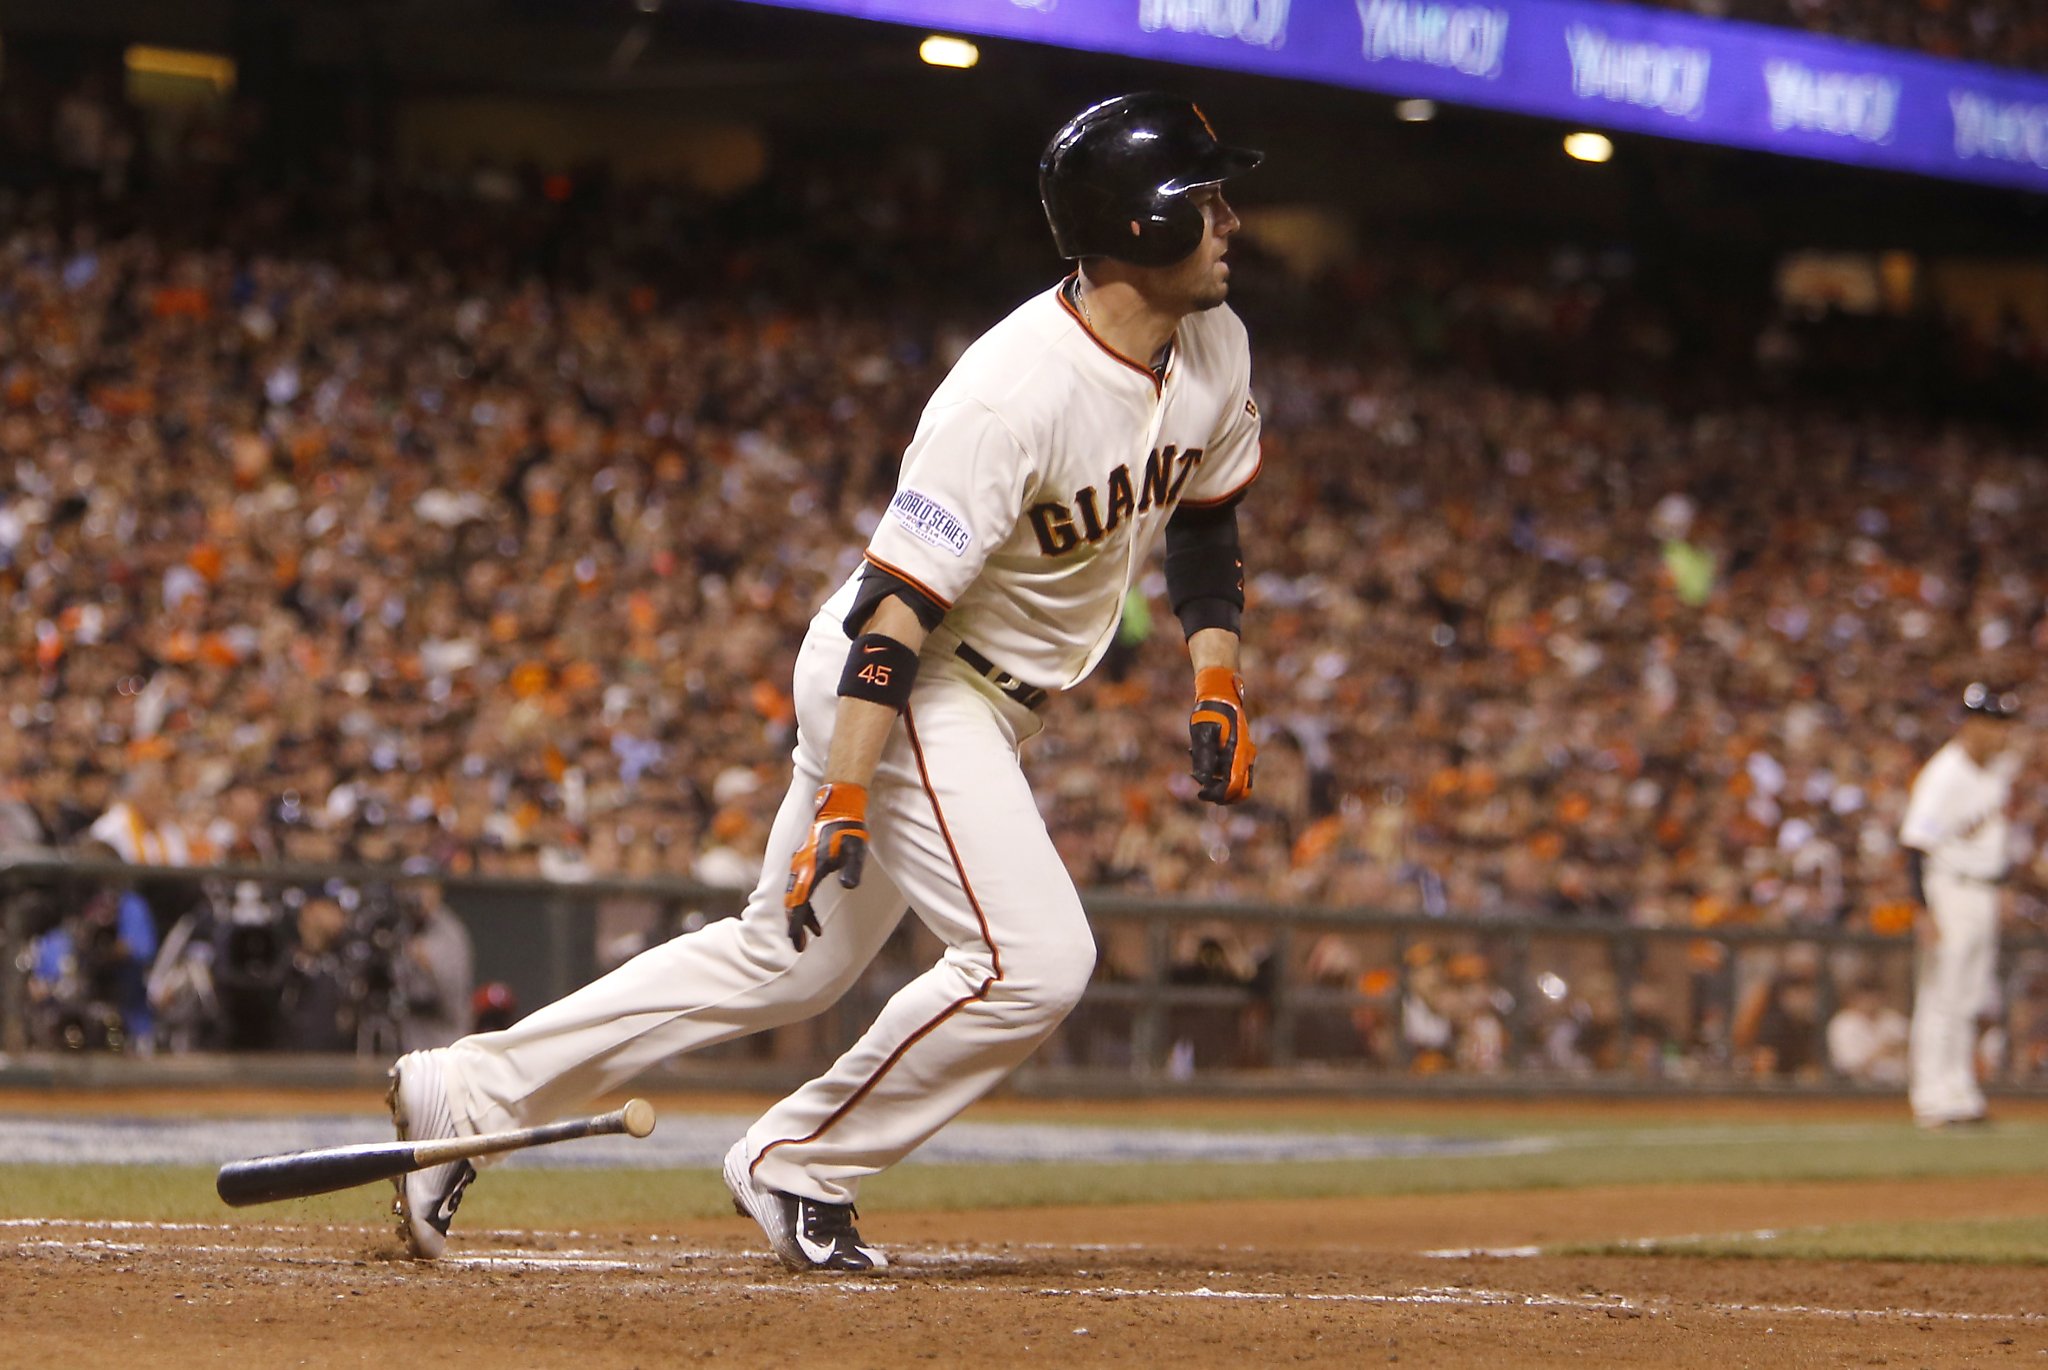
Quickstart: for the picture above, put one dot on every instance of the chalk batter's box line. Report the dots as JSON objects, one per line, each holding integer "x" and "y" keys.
{"x": 606, "y": 1261}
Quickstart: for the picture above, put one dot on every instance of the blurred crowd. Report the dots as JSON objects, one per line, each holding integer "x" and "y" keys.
{"x": 468, "y": 524}
{"x": 1484, "y": 1003}
{"x": 2008, "y": 33}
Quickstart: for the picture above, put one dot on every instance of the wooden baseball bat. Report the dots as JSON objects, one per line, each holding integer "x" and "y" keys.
{"x": 296, "y": 1174}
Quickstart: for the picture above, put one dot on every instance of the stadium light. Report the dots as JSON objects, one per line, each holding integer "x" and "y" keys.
{"x": 1415, "y": 111}
{"x": 941, "y": 51}
{"x": 1588, "y": 147}
{"x": 215, "y": 70}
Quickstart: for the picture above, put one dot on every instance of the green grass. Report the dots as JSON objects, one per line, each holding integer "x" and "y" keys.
{"x": 1989, "y": 1241}
{"x": 1577, "y": 1158}
{"x": 1636, "y": 1156}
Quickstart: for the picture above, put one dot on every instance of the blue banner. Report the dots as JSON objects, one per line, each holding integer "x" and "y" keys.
{"x": 1605, "y": 65}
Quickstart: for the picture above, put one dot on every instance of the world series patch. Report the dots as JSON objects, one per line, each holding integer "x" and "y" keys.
{"x": 930, "y": 521}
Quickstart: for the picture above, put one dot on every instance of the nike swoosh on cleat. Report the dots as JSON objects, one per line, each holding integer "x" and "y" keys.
{"x": 818, "y": 1252}
{"x": 444, "y": 1210}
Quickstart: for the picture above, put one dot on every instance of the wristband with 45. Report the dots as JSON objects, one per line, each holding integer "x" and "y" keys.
{"x": 1220, "y": 748}
{"x": 837, "y": 841}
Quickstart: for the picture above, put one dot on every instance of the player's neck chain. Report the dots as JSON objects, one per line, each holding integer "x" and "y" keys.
{"x": 1159, "y": 362}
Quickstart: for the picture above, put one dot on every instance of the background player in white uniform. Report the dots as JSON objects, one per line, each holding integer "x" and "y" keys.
{"x": 1957, "y": 847}
{"x": 1101, "y": 418}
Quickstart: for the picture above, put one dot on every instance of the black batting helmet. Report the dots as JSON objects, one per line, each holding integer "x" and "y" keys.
{"x": 1115, "y": 179}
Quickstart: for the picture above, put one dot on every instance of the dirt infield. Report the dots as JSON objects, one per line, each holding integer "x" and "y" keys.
{"x": 1442, "y": 1280}
{"x": 1325, "y": 1282}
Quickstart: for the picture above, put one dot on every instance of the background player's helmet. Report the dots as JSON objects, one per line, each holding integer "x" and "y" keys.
{"x": 1115, "y": 180}
{"x": 1982, "y": 701}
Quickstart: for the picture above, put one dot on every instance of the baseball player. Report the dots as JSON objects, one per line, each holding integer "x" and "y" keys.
{"x": 1956, "y": 838}
{"x": 1103, "y": 417}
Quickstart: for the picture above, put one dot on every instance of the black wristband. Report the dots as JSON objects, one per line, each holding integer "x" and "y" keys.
{"x": 1210, "y": 612}
{"x": 879, "y": 669}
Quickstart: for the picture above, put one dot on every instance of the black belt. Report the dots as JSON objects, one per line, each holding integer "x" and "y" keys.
{"x": 1992, "y": 881}
{"x": 1030, "y": 696}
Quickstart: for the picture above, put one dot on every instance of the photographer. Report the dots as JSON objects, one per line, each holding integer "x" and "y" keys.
{"x": 87, "y": 973}
{"x": 375, "y": 968}
{"x": 249, "y": 955}
{"x": 319, "y": 1012}
{"x": 438, "y": 973}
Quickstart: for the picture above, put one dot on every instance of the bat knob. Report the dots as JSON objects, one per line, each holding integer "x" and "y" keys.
{"x": 639, "y": 1116}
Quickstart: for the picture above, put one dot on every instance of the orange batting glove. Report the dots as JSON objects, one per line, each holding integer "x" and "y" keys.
{"x": 838, "y": 841}
{"x": 1219, "y": 744}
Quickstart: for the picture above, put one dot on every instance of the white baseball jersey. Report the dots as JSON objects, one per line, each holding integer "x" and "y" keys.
{"x": 1956, "y": 813}
{"x": 1044, "y": 469}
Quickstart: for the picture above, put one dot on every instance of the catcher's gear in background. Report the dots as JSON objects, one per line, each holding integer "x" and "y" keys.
{"x": 1220, "y": 746}
{"x": 1115, "y": 180}
{"x": 838, "y": 841}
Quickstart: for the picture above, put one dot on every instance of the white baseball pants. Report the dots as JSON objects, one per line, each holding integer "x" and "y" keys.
{"x": 957, "y": 836}
{"x": 1953, "y": 983}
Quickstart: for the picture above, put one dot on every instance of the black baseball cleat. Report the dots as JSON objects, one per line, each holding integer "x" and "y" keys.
{"x": 807, "y": 1234}
{"x": 827, "y": 1235}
